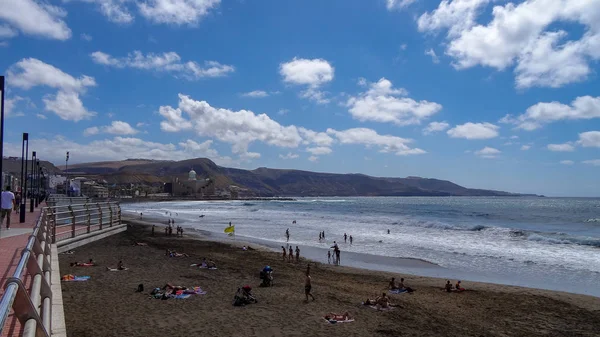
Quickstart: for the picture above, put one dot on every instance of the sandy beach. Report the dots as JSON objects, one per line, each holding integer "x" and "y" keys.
{"x": 107, "y": 304}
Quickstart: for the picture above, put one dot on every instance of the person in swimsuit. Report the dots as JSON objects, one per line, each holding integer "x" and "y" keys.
{"x": 284, "y": 252}
{"x": 120, "y": 266}
{"x": 308, "y": 287}
{"x": 448, "y": 287}
{"x": 329, "y": 256}
{"x": 297, "y": 254}
{"x": 392, "y": 284}
{"x": 291, "y": 255}
{"x": 458, "y": 288}
{"x": 336, "y": 317}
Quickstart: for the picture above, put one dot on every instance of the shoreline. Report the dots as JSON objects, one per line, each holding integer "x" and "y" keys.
{"x": 399, "y": 267}
{"x": 482, "y": 310}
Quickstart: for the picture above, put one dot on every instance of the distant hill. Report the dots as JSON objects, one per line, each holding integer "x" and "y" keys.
{"x": 12, "y": 165}
{"x": 276, "y": 182}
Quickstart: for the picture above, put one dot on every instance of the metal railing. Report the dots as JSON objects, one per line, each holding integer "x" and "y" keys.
{"x": 33, "y": 310}
{"x": 70, "y": 221}
{"x": 56, "y": 223}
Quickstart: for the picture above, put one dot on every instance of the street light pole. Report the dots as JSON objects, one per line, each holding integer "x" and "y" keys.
{"x": 1, "y": 128}
{"x": 32, "y": 174}
{"x": 37, "y": 183}
{"x": 68, "y": 186}
{"x": 24, "y": 156}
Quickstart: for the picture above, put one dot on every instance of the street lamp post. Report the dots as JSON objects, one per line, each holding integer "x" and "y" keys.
{"x": 37, "y": 183}
{"x": 24, "y": 156}
{"x": 1, "y": 127}
{"x": 68, "y": 186}
{"x": 32, "y": 174}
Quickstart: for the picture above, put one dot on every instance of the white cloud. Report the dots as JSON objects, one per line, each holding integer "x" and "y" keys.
{"x": 312, "y": 73}
{"x": 169, "y": 62}
{"x": 289, "y": 155}
{"x": 320, "y": 150}
{"x": 3, "y": 44}
{"x": 525, "y": 147}
{"x": 34, "y": 18}
{"x": 584, "y": 107}
{"x": 29, "y": 73}
{"x": 41, "y": 116}
{"x": 86, "y": 37}
{"x": 594, "y": 162}
{"x": 381, "y": 103}
{"x": 567, "y": 162}
{"x": 433, "y": 55}
{"x": 514, "y": 137}
{"x": 522, "y": 35}
{"x": 589, "y": 139}
{"x": 283, "y": 111}
{"x": 398, "y": 4}
{"x": 313, "y": 158}
{"x": 488, "y": 152}
{"x": 6, "y": 32}
{"x": 313, "y": 137}
{"x": 403, "y": 46}
{"x": 239, "y": 128}
{"x": 435, "y": 127}
{"x": 474, "y": 131}
{"x": 369, "y": 137}
{"x": 141, "y": 124}
{"x": 179, "y": 12}
{"x": 118, "y": 148}
{"x": 10, "y": 105}
{"x": 114, "y": 10}
{"x": 256, "y": 94}
{"x": 94, "y": 130}
{"x": 566, "y": 147}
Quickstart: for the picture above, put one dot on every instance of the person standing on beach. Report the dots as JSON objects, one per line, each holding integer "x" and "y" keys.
{"x": 297, "y": 254}
{"x": 291, "y": 256}
{"x": 308, "y": 286}
{"x": 329, "y": 257}
{"x": 287, "y": 234}
{"x": 153, "y": 230}
{"x": 345, "y": 238}
{"x": 284, "y": 253}
{"x": 8, "y": 203}
{"x": 166, "y": 230}
{"x": 141, "y": 215}
{"x": 350, "y": 239}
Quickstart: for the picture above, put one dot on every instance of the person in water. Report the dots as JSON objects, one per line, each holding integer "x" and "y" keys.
{"x": 345, "y": 237}
{"x": 287, "y": 234}
{"x": 350, "y": 239}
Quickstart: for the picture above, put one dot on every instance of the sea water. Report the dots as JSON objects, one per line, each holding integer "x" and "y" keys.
{"x": 548, "y": 243}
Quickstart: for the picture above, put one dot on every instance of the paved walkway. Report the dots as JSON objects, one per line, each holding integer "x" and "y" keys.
{"x": 12, "y": 242}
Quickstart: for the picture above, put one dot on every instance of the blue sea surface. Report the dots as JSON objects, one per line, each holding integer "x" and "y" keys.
{"x": 549, "y": 243}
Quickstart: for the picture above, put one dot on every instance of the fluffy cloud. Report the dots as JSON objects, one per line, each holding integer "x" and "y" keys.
{"x": 10, "y": 106}
{"x": 525, "y": 147}
{"x": 115, "y": 128}
{"x": 519, "y": 35}
{"x": 434, "y": 57}
{"x": 86, "y": 37}
{"x": 566, "y": 147}
{"x": 369, "y": 137}
{"x": 584, "y": 107}
{"x": 320, "y": 150}
{"x": 398, "y": 4}
{"x": 589, "y": 139}
{"x": 33, "y": 18}
{"x": 435, "y": 127}
{"x": 256, "y": 94}
{"x": 594, "y": 162}
{"x": 119, "y": 148}
{"x": 313, "y": 158}
{"x": 474, "y": 131}
{"x": 312, "y": 73}
{"x": 239, "y": 128}
{"x": 383, "y": 103}
{"x": 179, "y": 12}
{"x": 289, "y": 155}
{"x": 169, "y": 62}
{"x": 313, "y": 137}
{"x": 29, "y": 73}
{"x": 567, "y": 162}
{"x": 488, "y": 152}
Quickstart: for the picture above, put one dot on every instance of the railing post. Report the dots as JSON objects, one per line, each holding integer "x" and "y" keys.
{"x": 89, "y": 218}
{"x": 111, "y": 214}
{"x": 99, "y": 215}
{"x": 52, "y": 210}
{"x": 73, "y": 220}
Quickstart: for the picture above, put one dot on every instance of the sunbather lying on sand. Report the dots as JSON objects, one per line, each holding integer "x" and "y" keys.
{"x": 140, "y": 244}
{"x": 172, "y": 253}
{"x": 120, "y": 266}
{"x": 79, "y": 264}
{"x": 337, "y": 317}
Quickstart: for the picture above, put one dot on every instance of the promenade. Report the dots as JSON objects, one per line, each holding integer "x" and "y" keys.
{"x": 12, "y": 243}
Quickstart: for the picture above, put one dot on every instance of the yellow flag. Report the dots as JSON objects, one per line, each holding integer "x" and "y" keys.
{"x": 229, "y": 229}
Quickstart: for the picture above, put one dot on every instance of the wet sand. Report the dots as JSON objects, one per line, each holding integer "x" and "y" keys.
{"x": 107, "y": 304}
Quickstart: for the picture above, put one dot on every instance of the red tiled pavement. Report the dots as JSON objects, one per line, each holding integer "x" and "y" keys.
{"x": 10, "y": 254}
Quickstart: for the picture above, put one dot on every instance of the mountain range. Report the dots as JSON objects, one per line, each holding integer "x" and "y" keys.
{"x": 266, "y": 182}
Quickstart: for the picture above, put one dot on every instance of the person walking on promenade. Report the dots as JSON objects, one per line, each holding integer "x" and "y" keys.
{"x": 17, "y": 202}
{"x": 8, "y": 203}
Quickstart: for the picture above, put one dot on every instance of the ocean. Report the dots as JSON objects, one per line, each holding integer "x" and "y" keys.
{"x": 547, "y": 243}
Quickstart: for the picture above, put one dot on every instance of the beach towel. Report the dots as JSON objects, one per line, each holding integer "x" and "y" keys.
{"x": 73, "y": 278}
{"x": 116, "y": 269}
{"x": 182, "y": 296}
{"x": 398, "y": 291}
{"x": 333, "y": 321}
{"x": 85, "y": 265}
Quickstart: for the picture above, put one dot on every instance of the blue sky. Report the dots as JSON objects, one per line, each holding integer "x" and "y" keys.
{"x": 505, "y": 99}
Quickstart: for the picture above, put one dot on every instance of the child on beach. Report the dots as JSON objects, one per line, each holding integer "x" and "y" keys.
{"x": 329, "y": 257}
